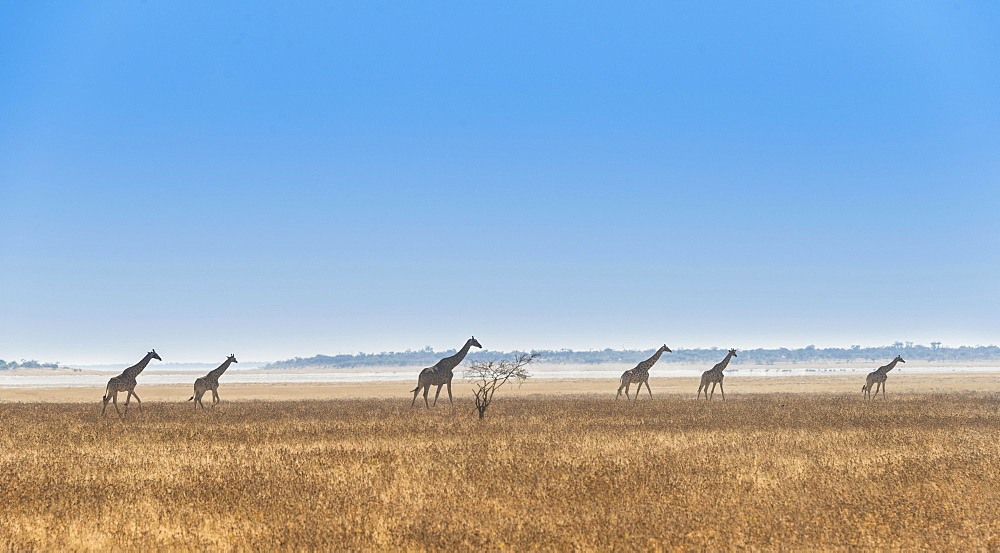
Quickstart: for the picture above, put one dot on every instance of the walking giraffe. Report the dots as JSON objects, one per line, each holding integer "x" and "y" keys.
{"x": 878, "y": 378}
{"x": 211, "y": 382}
{"x": 714, "y": 376}
{"x": 640, "y": 375}
{"x": 125, "y": 382}
{"x": 441, "y": 374}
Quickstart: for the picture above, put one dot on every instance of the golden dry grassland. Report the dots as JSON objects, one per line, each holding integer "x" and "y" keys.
{"x": 770, "y": 470}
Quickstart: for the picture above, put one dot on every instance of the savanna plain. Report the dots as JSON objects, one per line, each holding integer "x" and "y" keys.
{"x": 765, "y": 470}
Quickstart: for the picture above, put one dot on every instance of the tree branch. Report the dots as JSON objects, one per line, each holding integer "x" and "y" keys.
{"x": 488, "y": 376}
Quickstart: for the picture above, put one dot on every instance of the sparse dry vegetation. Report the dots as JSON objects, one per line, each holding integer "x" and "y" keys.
{"x": 767, "y": 471}
{"x": 489, "y": 376}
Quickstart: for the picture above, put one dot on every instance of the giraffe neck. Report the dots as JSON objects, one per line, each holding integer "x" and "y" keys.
{"x": 645, "y": 365}
{"x": 724, "y": 363}
{"x": 888, "y": 367}
{"x": 134, "y": 370}
{"x": 453, "y": 361}
{"x": 217, "y": 372}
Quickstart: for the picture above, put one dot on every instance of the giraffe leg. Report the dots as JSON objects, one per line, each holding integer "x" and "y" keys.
{"x": 427, "y": 390}
{"x": 723, "y": 390}
{"x": 215, "y": 397}
{"x": 713, "y": 390}
{"x": 105, "y": 399}
{"x": 114, "y": 401}
{"x": 619, "y": 394}
{"x": 139, "y": 401}
{"x": 416, "y": 391}
{"x": 449, "y": 393}
{"x": 699, "y": 390}
{"x": 647, "y": 389}
{"x": 877, "y": 387}
{"x": 883, "y": 390}
{"x": 438, "y": 393}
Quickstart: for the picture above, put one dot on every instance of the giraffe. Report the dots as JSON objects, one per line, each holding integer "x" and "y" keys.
{"x": 441, "y": 374}
{"x": 878, "y": 378}
{"x": 211, "y": 382}
{"x": 640, "y": 375}
{"x": 125, "y": 382}
{"x": 714, "y": 376}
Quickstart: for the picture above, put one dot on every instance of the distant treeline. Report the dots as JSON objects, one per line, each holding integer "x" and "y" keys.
{"x": 22, "y": 364}
{"x": 808, "y": 354}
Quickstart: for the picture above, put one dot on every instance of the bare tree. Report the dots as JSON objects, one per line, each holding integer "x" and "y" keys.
{"x": 488, "y": 376}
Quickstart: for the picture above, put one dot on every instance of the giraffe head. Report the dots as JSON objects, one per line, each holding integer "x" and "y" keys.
{"x": 233, "y": 358}
{"x": 733, "y": 353}
{"x": 899, "y": 358}
{"x": 475, "y": 342}
{"x": 154, "y": 355}
{"x": 665, "y": 349}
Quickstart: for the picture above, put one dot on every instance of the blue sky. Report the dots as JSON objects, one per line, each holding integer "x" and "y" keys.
{"x": 279, "y": 181}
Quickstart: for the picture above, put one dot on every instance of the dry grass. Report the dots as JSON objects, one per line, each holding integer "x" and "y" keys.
{"x": 767, "y": 471}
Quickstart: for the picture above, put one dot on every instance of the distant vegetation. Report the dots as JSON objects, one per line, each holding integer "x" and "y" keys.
{"x": 9, "y": 365}
{"x": 808, "y": 354}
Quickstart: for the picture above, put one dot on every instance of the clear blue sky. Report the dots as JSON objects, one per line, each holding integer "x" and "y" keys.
{"x": 279, "y": 181}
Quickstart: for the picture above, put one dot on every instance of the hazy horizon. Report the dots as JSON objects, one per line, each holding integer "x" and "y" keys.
{"x": 285, "y": 180}
{"x": 97, "y": 362}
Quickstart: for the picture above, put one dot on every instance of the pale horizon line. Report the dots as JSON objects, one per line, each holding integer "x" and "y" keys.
{"x": 279, "y": 358}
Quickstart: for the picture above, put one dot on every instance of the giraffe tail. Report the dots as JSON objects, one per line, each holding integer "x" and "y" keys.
{"x": 190, "y": 398}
